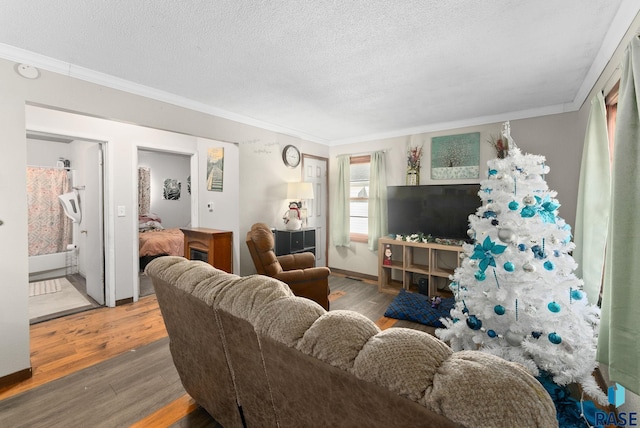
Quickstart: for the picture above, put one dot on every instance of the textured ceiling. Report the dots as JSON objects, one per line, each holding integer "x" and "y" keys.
{"x": 328, "y": 70}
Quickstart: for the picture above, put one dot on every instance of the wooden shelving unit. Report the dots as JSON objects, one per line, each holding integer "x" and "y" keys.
{"x": 411, "y": 260}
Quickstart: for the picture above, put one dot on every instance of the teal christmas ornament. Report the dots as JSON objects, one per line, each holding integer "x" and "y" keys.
{"x": 491, "y": 333}
{"x": 480, "y": 276}
{"x": 499, "y": 309}
{"x": 474, "y": 323}
{"x": 509, "y": 267}
{"x": 522, "y": 247}
{"x": 553, "y": 307}
{"x": 485, "y": 252}
{"x": 493, "y": 171}
{"x": 549, "y": 265}
{"x": 554, "y": 338}
{"x": 577, "y": 294}
{"x": 514, "y": 205}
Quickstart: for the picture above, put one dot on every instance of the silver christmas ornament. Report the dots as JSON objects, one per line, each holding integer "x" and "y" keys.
{"x": 528, "y": 267}
{"x": 506, "y": 235}
{"x": 530, "y": 309}
{"x": 513, "y": 339}
{"x": 473, "y": 262}
{"x": 529, "y": 200}
{"x": 471, "y": 233}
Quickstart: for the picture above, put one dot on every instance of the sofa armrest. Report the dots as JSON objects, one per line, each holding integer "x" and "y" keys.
{"x": 297, "y": 261}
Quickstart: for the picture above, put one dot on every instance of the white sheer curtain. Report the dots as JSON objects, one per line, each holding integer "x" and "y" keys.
{"x": 618, "y": 344}
{"x": 340, "y": 230}
{"x": 377, "y": 200}
{"x": 594, "y": 200}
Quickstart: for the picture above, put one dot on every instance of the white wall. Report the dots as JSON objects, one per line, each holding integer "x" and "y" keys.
{"x": 558, "y": 137}
{"x": 174, "y": 213}
{"x": 253, "y": 185}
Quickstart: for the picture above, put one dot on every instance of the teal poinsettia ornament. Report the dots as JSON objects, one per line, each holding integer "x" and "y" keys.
{"x": 485, "y": 252}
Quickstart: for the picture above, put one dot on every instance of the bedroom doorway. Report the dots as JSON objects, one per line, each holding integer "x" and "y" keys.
{"x": 65, "y": 209}
{"x": 165, "y": 204}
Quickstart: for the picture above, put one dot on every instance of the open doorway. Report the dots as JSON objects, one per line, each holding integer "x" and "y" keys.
{"x": 164, "y": 207}
{"x": 65, "y": 205}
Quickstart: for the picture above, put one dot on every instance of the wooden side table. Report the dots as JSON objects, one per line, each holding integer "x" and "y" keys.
{"x": 209, "y": 245}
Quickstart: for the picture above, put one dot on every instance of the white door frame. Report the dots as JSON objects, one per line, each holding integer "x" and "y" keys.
{"x": 108, "y": 237}
{"x": 194, "y": 199}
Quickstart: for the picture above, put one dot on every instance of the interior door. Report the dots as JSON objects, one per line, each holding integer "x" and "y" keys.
{"x": 314, "y": 170}
{"x": 91, "y": 227}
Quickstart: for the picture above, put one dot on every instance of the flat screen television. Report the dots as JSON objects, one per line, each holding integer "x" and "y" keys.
{"x": 439, "y": 210}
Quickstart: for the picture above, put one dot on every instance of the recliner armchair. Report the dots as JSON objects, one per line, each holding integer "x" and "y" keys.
{"x": 298, "y": 271}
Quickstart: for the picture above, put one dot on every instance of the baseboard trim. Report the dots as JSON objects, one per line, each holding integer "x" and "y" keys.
{"x": 17, "y": 377}
{"x": 355, "y": 275}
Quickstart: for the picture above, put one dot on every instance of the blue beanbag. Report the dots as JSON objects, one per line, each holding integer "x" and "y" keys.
{"x": 417, "y": 308}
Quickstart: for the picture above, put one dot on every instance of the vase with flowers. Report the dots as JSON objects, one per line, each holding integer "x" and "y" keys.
{"x": 414, "y": 154}
{"x": 500, "y": 144}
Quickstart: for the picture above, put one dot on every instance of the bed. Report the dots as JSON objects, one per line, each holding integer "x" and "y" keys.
{"x": 156, "y": 241}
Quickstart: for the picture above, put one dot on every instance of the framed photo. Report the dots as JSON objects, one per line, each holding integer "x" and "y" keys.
{"x": 455, "y": 156}
{"x": 215, "y": 169}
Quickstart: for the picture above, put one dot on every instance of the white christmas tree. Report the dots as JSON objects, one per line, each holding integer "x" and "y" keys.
{"x": 516, "y": 294}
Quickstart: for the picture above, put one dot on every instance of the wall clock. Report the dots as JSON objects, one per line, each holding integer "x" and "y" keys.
{"x": 291, "y": 156}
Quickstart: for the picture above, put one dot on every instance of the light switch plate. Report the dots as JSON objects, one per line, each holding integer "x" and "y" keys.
{"x": 121, "y": 211}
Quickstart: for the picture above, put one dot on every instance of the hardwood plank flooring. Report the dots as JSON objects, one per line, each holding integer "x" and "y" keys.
{"x": 112, "y": 366}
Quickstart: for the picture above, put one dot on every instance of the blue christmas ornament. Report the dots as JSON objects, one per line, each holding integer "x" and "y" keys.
{"x": 555, "y": 338}
{"x": 495, "y": 222}
{"x": 480, "y": 276}
{"x": 455, "y": 320}
{"x": 491, "y": 333}
{"x": 538, "y": 252}
{"x": 489, "y": 214}
{"x": 556, "y": 253}
{"x": 553, "y": 307}
{"x": 509, "y": 267}
{"x": 548, "y": 265}
{"x": 474, "y": 323}
{"x": 499, "y": 309}
{"x": 577, "y": 294}
{"x": 522, "y": 247}
{"x": 536, "y": 334}
{"x": 513, "y": 205}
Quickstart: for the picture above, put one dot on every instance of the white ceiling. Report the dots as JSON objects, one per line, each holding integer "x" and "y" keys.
{"x": 330, "y": 71}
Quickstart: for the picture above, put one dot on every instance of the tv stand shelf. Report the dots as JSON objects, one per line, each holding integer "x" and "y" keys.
{"x": 411, "y": 260}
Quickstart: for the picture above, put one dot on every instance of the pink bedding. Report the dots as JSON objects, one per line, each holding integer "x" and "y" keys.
{"x": 157, "y": 242}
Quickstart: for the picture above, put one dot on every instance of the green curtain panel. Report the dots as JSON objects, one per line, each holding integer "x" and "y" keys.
{"x": 618, "y": 344}
{"x": 594, "y": 200}
{"x": 340, "y": 223}
{"x": 378, "y": 223}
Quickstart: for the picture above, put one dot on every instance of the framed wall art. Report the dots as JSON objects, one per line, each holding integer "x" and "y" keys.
{"x": 215, "y": 169}
{"x": 455, "y": 156}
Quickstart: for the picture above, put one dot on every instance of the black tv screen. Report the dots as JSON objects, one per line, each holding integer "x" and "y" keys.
{"x": 441, "y": 211}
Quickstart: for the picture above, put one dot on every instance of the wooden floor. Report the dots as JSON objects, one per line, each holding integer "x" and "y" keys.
{"x": 112, "y": 366}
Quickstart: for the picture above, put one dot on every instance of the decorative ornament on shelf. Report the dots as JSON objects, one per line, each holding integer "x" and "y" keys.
{"x": 414, "y": 155}
{"x": 387, "y": 255}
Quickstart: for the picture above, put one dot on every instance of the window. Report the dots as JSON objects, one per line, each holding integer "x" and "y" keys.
{"x": 359, "y": 197}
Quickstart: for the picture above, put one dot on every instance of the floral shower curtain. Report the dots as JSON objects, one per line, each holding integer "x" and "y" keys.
{"x": 49, "y": 227}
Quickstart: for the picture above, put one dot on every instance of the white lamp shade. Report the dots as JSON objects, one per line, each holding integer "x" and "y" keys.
{"x": 300, "y": 191}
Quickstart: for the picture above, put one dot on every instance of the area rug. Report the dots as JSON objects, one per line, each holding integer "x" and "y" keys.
{"x": 51, "y": 303}
{"x": 417, "y": 307}
{"x": 45, "y": 287}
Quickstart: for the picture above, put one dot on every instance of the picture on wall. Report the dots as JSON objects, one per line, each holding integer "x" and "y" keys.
{"x": 455, "y": 156}
{"x": 171, "y": 189}
{"x": 215, "y": 169}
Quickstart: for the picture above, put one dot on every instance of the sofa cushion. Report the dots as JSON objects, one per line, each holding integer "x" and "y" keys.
{"x": 337, "y": 338}
{"x": 507, "y": 394}
{"x": 402, "y": 360}
{"x": 286, "y": 320}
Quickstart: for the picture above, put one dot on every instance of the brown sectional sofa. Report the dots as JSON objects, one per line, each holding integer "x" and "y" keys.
{"x": 253, "y": 354}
